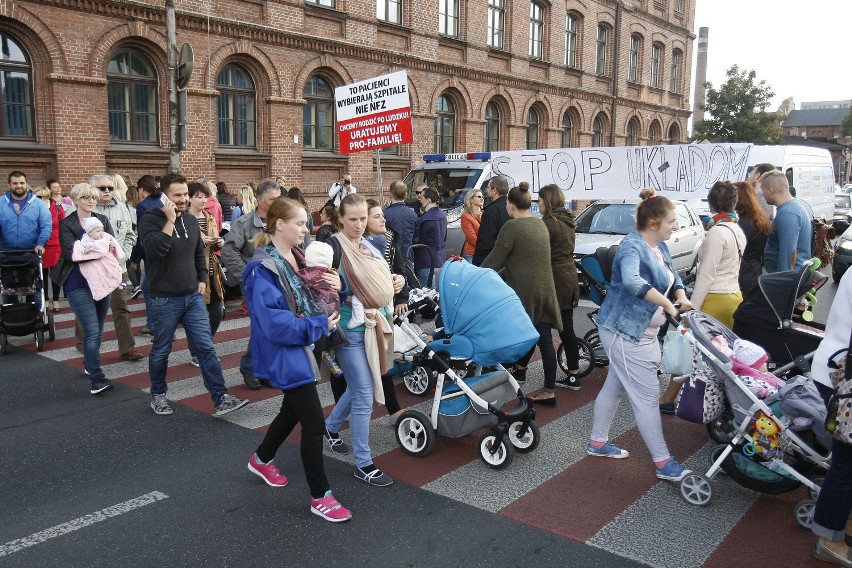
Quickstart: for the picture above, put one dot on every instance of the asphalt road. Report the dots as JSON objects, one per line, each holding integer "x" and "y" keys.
{"x": 101, "y": 481}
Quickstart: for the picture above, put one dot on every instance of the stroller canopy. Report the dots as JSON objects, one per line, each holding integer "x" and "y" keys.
{"x": 477, "y": 305}
{"x": 770, "y": 304}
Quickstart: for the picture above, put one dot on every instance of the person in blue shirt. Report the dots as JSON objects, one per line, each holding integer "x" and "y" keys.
{"x": 25, "y": 222}
{"x": 789, "y": 243}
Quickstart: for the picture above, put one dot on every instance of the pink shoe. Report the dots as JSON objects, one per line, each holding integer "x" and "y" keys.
{"x": 329, "y": 509}
{"x": 267, "y": 471}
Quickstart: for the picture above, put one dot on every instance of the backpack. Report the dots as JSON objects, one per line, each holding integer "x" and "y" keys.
{"x": 821, "y": 246}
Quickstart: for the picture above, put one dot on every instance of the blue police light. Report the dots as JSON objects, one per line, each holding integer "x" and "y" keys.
{"x": 473, "y": 156}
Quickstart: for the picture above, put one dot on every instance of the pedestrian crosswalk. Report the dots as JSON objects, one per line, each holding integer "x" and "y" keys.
{"x": 616, "y": 505}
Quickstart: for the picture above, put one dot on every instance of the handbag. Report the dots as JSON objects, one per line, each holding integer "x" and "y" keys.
{"x": 677, "y": 354}
{"x": 702, "y": 398}
{"x": 838, "y": 421}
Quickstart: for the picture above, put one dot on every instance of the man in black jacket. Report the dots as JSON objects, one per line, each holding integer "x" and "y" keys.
{"x": 494, "y": 216}
{"x": 177, "y": 273}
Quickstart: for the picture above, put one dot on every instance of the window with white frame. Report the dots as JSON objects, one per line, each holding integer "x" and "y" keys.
{"x": 601, "y": 65}
{"x": 326, "y": 3}
{"x": 448, "y": 17}
{"x": 633, "y": 58}
{"x": 492, "y": 128}
{"x": 656, "y": 65}
{"x": 389, "y": 11}
{"x": 677, "y": 63}
{"x": 496, "y": 23}
{"x": 445, "y": 125}
{"x": 536, "y": 30}
{"x": 571, "y": 40}
{"x": 132, "y": 98}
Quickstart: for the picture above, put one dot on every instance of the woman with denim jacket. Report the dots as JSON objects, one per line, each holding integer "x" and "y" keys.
{"x": 630, "y": 318}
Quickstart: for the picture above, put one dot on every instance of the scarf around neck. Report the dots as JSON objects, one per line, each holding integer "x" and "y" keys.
{"x": 721, "y": 217}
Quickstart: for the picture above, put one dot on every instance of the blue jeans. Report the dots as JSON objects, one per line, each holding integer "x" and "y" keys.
{"x": 91, "y": 314}
{"x": 423, "y": 276}
{"x": 191, "y": 311}
{"x": 834, "y": 505}
{"x": 468, "y": 258}
{"x": 149, "y": 319}
{"x": 357, "y": 402}
{"x": 246, "y": 364}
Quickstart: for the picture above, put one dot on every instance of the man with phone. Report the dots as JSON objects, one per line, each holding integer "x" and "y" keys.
{"x": 341, "y": 189}
{"x": 178, "y": 274}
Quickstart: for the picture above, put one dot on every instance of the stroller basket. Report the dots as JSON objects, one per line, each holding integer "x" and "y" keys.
{"x": 752, "y": 475}
{"x": 458, "y": 416}
{"x": 18, "y": 319}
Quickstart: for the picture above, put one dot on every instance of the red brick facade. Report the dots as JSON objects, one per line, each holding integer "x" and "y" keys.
{"x": 283, "y": 43}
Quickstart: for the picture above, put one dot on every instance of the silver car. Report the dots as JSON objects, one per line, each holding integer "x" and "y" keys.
{"x": 604, "y": 223}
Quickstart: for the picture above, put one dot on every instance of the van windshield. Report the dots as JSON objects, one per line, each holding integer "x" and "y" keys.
{"x": 607, "y": 219}
{"x": 452, "y": 184}
{"x": 841, "y": 201}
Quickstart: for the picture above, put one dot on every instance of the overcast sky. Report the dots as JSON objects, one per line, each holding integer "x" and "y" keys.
{"x": 802, "y": 49}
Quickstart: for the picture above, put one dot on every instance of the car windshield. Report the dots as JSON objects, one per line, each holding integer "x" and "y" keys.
{"x": 842, "y": 201}
{"x": 451, "y": 183}
{"x": 607, "y": 219}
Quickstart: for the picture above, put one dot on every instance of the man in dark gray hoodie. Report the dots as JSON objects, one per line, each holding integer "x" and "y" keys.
{"x": 174, "y": 253}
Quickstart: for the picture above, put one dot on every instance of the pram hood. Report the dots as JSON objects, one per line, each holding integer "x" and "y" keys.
{"x": 770, "y": 304}
{"x": 485, "y": 313}
{"x": 597, "y": 267}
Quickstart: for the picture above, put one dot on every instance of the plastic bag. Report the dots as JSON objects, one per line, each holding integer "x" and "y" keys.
{"x": 677, "y": 354}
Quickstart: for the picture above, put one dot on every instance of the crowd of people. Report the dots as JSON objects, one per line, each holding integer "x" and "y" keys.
{"x": 335, "y": 298}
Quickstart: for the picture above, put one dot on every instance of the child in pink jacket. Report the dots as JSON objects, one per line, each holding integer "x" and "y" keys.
{"x": 98, "y": 254}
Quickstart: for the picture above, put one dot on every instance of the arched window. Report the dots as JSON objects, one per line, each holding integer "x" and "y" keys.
{"x": 677, "y": 64}
{"x": 536, "y": 30}
{"x": 533, "y": 123}
{"x": 602, "y": 63}
{"x": 16, "y": 97}
{"x": 674, "y": 134}
{"x": 318, "y": 115}
{"x": 492, "y": 128}
{"x": 655, "y": 134}
{"x": 236, "y": 107}
{"x": 633, "y": 129}
{"x": 445, "y": 125}
{"x": 567, "y": 130}
{"x": 132, "y": 98}
{"x": 598, "y": 129}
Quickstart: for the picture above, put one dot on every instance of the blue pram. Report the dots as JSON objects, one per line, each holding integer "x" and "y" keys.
{"x": 484, "y": 323}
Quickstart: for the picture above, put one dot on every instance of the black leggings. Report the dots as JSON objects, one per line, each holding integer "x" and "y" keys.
{"x": 301, "y": 404}
{"x": 338, "y": 387}
{"x": 548, "y": 355}
{"x": 45, "y": 275}
{"x": 569, "y": 339}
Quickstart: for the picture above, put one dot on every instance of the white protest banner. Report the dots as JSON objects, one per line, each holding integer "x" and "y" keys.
{"x": 683, "y": 171}
{"x": 374, "y": 113}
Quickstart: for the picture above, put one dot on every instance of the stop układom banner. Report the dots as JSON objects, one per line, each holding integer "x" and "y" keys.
{"x": 682, "y": 171}
{"x": 374, "y": 113}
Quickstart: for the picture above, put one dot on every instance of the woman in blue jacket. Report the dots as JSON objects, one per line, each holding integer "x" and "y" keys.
{"x": 431, "y": 230}
{"x": 282, "y": 334}
{"x": 635, "y": 307}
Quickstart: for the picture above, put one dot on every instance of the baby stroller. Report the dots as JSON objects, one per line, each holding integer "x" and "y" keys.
{"x": 23, "y": 310}
{"x": 768, "y": 452}
{"x": 596, "y": 270}
{"x": 485, "y": 323}
{"x": 771, "y": 313}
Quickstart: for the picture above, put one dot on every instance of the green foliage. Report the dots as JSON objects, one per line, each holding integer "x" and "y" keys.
{"x": 846, "y": 125}
{"x": 738, "y": 111}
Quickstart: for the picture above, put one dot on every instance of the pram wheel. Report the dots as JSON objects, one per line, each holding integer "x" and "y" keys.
{"x": 593, "y": 338}
{"x": 4, "y": 343}
{"x": 39, "y": 337}
{"x": 804, "y": 512}
{"x": 417, "y": 380}
{"x": 414, "y": 433}
{"x": 696, "y": 490}
{"x": 499, "y": 459}
{"x": 530, "y": 439}
{"x": 51, "y": 327}
{"x": 722, "y": 429}
{"x": 586, "y": 360}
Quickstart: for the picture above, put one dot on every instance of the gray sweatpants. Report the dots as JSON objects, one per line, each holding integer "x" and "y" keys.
{"x": 632, "y": 370}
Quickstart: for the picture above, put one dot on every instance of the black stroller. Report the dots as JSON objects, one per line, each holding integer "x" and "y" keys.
{"x": 775, "y": 314}
{"x": 23, "y": 309}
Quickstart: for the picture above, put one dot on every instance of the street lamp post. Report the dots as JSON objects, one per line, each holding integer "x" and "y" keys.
{"x": 174, "y": 149}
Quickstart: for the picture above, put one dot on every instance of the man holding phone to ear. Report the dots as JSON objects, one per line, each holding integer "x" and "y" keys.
{"x": 178, "y": 274}
{"x": 341, "y": 189}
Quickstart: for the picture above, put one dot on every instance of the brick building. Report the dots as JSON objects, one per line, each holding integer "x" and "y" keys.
{"x": 85, "y": 81}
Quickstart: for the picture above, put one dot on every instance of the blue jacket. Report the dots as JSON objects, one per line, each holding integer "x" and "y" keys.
{"x": 432, "y": 231}
{"x": 634, "y": 272}
{"x": 280, "y": 341}
{"x": 25, "y": 230}
{"x": 402, "y": 219}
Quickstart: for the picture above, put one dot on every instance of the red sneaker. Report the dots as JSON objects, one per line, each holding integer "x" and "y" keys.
{"x": 329, "y": 509}
{"x": 267, "y": 471}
